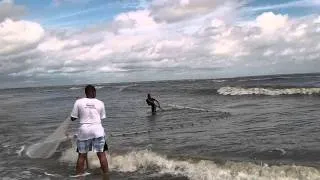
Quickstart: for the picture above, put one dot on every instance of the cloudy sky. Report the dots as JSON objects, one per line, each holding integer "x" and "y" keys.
{"x": 52, "y": 42}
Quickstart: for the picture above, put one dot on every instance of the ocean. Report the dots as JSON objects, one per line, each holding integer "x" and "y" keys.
{"x": 256, "y": 128}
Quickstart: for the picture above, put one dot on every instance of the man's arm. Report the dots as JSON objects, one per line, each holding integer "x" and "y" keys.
{"x": 103, "y": 112}
{"x": 75, "y": 112}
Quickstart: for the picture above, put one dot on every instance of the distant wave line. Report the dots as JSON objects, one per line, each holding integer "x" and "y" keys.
{"x": 233, "y": 91}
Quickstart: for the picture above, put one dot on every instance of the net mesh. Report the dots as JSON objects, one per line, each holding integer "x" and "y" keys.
{"x": 46, "y": 148}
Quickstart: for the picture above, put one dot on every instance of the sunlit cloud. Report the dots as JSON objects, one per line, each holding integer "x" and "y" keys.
{"x": 164, "y": 39}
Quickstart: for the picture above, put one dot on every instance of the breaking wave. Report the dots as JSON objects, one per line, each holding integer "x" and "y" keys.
{"x": 145, "y": 160}
{"x": 233, "y": 91}
{"x": 218, "y": 80}
{"x": 74, "y": 88}
{"x": 99, "y": 87}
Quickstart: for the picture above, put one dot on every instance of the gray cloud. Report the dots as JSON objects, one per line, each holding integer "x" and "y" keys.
{"x": 135, "y": 46}
{"x": 10, "y": 10}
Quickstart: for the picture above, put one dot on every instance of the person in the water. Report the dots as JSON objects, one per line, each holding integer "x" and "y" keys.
{"x": 152, "y": 102}
{"x": 91, "y": 135}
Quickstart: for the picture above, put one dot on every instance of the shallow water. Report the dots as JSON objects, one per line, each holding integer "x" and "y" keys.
{"x": 240, "y": 128}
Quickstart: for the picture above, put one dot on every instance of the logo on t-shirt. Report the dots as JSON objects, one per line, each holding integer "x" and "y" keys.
{"x": 90, "y": 106}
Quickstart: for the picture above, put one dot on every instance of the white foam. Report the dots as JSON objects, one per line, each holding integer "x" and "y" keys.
{"x": 186, "y": 107}
{"x": 283, "y": 152}
{"x": 218, "y": 80}
{"x": 74, "y": 88}
{"x": 199, "y": 170}
{"x": 233, "y": 91}
{"x": 99, "y": 87}
{"x": 20, "y": 151}
{"x": 53, "y": 175}
{"x": 261, "y": 79}
{"x": 81, "y": 175}
{"x": 6, "y": 145}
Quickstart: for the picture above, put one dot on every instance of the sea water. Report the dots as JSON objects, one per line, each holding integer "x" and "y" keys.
{"x": 238, "y": 128}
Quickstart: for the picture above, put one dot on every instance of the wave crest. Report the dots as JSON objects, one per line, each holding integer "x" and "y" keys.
{"x": 144, "y": 160}
{"x": 234, "y": 91}
{"x": 74, "y": 88}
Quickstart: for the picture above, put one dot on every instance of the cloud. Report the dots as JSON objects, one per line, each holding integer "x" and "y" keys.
{"x": 18, "y": 42}
{"x": 140, "y": 19}
{"x": 145, "y": 45}
{"x": 17, "y": 36}
{"x": 270, "y": 23}
{"x": 219, "y": 45}
{"x": 317, "y": 20}
{"x": 176, "y": 10}
{"x": 54, "y": 44}
{"x": 8, "y": 9}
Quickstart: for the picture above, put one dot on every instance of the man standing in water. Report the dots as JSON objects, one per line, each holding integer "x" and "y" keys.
{"x": 91, "y": 136}
{"x": 151, "y": 102}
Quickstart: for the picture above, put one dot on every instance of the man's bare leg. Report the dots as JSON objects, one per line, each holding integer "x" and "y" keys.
{"x": 104, "y": 165}
{"x": 87, "y": 163}
{"x": 80, "y": 163}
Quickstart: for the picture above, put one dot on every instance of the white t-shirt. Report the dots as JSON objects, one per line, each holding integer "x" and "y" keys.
{"x": 89, "y": 111}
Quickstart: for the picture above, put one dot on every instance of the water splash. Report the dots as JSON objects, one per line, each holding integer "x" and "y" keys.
{"x": 195, "y": 169}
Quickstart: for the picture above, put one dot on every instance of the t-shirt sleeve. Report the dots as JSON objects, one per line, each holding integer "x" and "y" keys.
{"x": 103, "y": 112}
{"x": 75, "y": 110}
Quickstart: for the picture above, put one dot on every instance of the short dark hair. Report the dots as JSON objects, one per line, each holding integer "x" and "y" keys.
{"x": 90, "y": 91}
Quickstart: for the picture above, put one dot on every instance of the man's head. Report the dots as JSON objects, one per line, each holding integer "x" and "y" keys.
{"x": 90, "y": 91}
{"x": 149, "y": 96}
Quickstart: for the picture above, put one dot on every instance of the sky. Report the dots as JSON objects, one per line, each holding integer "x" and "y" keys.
{"x": 60, "y": 42}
